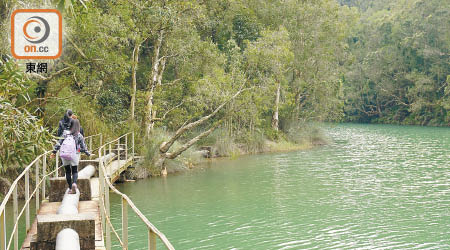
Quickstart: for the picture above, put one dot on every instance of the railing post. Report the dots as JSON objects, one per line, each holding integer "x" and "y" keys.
{"x": 125, "y": 223}
{"x": 126, "y": 147}
{"x": 101, "y": 140}
{"x": 57, "y": 164}
{"x": 101, "y": 184}
{"x": 44, "y": 172}
{"x": 151, "y": 240}
{"x": 110, "y": 148}
{"x": 90, "y": 144}
{"x": 108, "y": 214}
{"x": 3, "y": 230}
{"x": 27, "y": 196}
{"x": 118, "y": 149}
{"x": 37, "y": 183}
{"x": 132, "y": 142}
{"x": 15, "y": 215}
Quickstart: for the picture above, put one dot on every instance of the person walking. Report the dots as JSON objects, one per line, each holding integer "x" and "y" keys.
{"x": 64, "y": 123}
{"x": 71, "y": 146}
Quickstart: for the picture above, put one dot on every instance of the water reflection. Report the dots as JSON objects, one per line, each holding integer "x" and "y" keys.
{"x": 374, "y": 187}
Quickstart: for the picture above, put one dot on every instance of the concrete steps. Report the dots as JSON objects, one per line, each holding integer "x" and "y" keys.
{"x": 87, "y": 223}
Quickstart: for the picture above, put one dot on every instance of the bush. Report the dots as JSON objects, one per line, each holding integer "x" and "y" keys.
{"x": 222, "y": 143}
{"x": 252, "y": 142}
{"x": 304, "y": 133}
{"x": 22, "y": 134}
{"x": 150, "y": 151}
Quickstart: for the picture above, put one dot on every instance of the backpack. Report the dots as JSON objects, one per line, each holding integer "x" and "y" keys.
{"x": 68, "y": 148}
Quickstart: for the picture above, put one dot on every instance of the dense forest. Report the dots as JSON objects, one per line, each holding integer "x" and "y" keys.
{"x": 400, "y": 63}
{"x": 234, "y": 74}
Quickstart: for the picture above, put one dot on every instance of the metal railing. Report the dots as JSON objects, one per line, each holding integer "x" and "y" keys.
{"x": 106, "y": 186}
{"x": 41, "y": 179}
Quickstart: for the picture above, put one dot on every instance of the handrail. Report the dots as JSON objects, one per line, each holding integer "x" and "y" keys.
{"x": 104, "y": 199}
{"x": 13, "y": 185}
{"x": 28, "y": 201}
{"x": 105, "y": 184}
{"x": 39, "y": 183}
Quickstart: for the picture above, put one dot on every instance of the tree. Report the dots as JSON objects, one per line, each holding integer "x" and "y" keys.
{"x": 402, "y": 58}
{"x": 269, "y": 59}
{"x": 22, "y": 135}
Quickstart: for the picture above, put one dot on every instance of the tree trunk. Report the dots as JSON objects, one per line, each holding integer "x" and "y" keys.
{"x": 133, "y": 77}
{"x": 275, "y": 114}
{"x": 149, "y": 113}
{"x": 153, "y": 80}
{"x": 165, "y": 146}
{"x": 163, "y": 156}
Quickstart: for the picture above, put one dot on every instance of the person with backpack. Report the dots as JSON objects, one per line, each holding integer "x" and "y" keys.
{"x": 70, "y": 147}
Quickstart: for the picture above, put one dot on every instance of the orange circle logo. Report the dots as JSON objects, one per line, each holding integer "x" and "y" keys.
{"x": 39, "y": 28}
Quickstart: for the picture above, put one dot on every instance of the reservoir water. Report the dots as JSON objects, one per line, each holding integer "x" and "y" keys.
{"x": 372, "y": 187}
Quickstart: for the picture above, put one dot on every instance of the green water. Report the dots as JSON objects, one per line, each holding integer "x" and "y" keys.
{"x": 373, "y": 187}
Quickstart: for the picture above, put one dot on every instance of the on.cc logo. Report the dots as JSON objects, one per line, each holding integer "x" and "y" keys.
{"x": 36, "y": 34}
{"x": 39, "y": 26}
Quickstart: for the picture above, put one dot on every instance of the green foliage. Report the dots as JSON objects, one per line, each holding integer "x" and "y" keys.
{"x": 22, "y": 135}
{"x": 252, "y": 142}
{"x": 210, "y": 50}
{"x": 221, "y": 142}
{"x": 304, "y": 133}
{"x": 402, "y": 61}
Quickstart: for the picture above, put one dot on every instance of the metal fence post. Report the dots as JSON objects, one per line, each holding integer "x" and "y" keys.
{"x": 90, "y": 144}
{"x": 57, "y": 164}
{"x": 101, "y": 184}
{"x": 44, "y": 172}
{"x": 3, "y": 230}
{"x": 118, "y": 148}
{"x": 27, "y": 197}
{"x": 108, "y": 214}
{"x": 15, "y": 215}
{"x": 126, "y": 147}
{"x": 132, "y": 142}
{"x": 125, "y": 223}
{"x": 37, "y": 183}
{"x": 151, "y": 240}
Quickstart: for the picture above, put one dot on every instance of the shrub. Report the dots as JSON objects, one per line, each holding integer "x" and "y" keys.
{"x": 252, "y": 142}
{"x": 304, "y": 133}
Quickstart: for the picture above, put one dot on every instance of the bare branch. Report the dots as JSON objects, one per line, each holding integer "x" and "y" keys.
{"x": 41, "y": 77}
{"x": 75, "y": 46}
{"x": 166, "y": 145}
{"x": 191, "y": 142}
{"x": 167, "y": 112}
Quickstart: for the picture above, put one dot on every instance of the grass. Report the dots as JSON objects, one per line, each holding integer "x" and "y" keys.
{"x": 294, "y": 136}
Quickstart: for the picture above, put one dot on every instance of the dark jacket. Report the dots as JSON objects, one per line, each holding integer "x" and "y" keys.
{"x": 64, "y": 124}
{"x": 79, "y": 143}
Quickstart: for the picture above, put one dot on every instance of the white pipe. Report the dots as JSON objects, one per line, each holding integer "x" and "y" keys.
{"x": 67, "y": 239}
{"x": 87, "y": 172}
{"x": 107, "y": 157}
{"x": 69, "y": 204}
